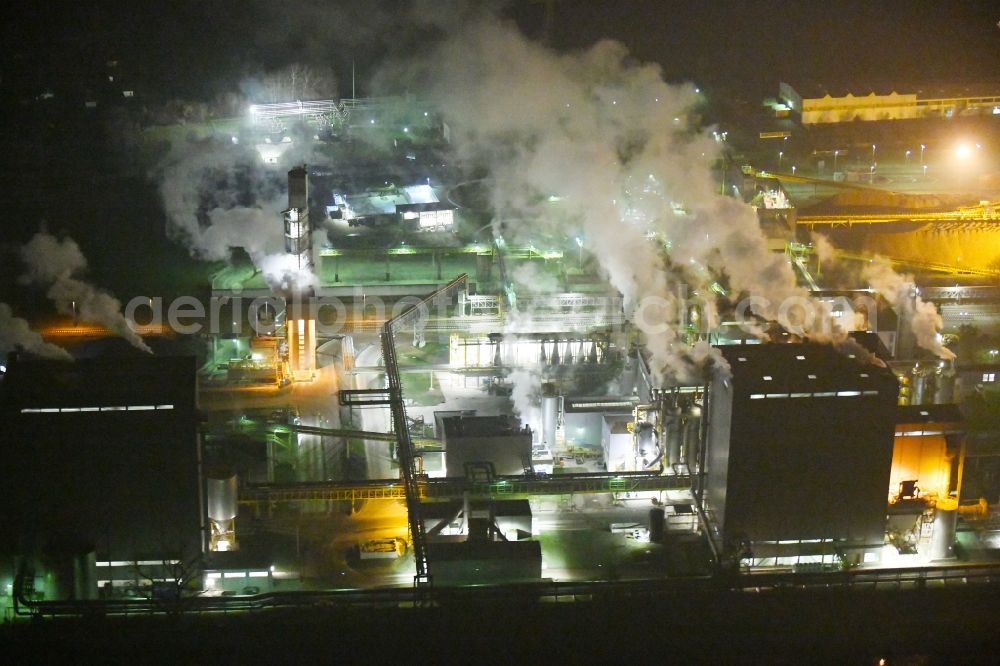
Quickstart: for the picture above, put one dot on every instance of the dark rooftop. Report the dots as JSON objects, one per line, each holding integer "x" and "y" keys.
{"x": 481, "y": 426}
{"x": 97, "y": 382}
{"x": 807, "y": 368}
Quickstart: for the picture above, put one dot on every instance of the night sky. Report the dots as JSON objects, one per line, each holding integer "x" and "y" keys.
{"x": 194, "y": 49}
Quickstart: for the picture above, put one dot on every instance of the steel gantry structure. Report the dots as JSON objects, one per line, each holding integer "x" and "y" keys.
{"x": 968, "y": 215}
{"x": 404, "y": 444}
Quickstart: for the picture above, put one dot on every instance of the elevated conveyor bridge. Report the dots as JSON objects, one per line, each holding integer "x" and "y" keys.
{"x": 432, "y": 490}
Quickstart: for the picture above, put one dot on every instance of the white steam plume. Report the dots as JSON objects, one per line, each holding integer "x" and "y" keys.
{"x": 219, "y": 197}
{"x": 825, "y": 251}
{"x": 16, "y": 333}
{"x": 53, "y": 263}
{"x": 900, "y": 291}
{"x": 617, "y": 145}
{"x": 526, "y": 386}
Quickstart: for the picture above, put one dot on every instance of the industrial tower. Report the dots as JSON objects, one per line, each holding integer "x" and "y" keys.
{"x": 300, "y": 323}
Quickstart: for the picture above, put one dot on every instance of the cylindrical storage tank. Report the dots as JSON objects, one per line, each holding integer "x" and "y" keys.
{"x": 692, "y": 435}
{"x": 674, "y": 434}
{"x": 647, "y": 450}
{"x": 945, "y": 523}
{"x": 919, "y": 388}
{"x": 221, "y": 497}
{"x": 944, "y": 393}
{"x": 70, "y": 573}
{"x": 550, "y": 415}
{"x": 85, "y": 576}
{"x": 657, "y": 518}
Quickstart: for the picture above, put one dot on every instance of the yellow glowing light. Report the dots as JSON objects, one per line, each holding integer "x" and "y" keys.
{"x": 963, "y": 151}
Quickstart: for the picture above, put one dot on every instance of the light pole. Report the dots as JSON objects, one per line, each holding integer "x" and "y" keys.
{"x": 871, "y": 179}
{"x": 925, "y": 171}
{"x": 793, "y": 169}
{"x": 873, "y": 153}
{"x": 579, "y": 245}
{"x": 781, "y": 154}
{"x": 922, "y": 146}
{"x": 908, "y": 157}
{"x": 835, "y": 154}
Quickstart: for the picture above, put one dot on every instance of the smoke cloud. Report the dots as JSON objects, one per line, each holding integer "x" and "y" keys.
{"x": 53, "y": 264}
{"x": 901, "y": 293}
{"x": 16, "y": 333}
{"x": 526, "y": 386}
{"x": 622, "y": 152}
{"x": 220, "y": 197}
{"x": 825, "y": 251}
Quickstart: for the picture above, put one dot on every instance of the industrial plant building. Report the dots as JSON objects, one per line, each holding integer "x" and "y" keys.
{"x": 100, "y": 471}
{"x": 419, "y": 207}
{"x": 496, "y": 441}
{"x": 798, "y": 454}
{"x": 891, "y": 106}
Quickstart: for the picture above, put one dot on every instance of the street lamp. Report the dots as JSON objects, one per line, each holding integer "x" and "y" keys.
{"x": 781, "y": 154}
{"x": 925, "y": 170}
{"x": 922, "y": 146}
{"x": 908, "y": 157}
{"x": 872, "y": 178}
{"x": 873, "y": 153}
{"x": 835, "y": 153}
{"x": 793, "y": 169}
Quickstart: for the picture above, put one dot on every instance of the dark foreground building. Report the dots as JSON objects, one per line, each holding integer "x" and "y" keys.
{"x": 100, "y": 469}
{"x": 800, "y": 444}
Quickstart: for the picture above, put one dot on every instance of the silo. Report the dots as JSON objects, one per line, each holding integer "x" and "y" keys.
{"x": 222, "y": 494}
{"x": 647, "y": 449}
{"x": 692, "y": 434}
{"x": 945, "y": 523}
{"x": 221, "y": 499}
{"x": 944, "y": 393}
{"x": 919, "y": 390}
{"x": 673, "y": 433}
{"x": 71, "y": 572}
{"x": 550, "y": 415}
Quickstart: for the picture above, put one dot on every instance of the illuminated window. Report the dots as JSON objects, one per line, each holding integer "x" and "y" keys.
{"x": 989, "y": 376}
{"x": 767, "y": 378}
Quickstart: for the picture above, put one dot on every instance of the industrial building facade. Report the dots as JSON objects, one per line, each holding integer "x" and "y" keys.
{"x": 799, "y": 450}
{"x": 101, "y": 462}
{"x": 891, "y": 106}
